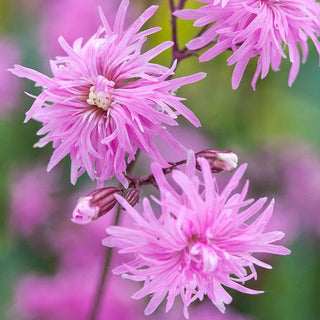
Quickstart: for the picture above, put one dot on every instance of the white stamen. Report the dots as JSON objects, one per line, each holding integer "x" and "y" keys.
{"x": 101, "y": 100}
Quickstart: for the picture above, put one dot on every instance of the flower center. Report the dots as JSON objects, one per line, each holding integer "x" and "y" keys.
{"x": 101, "y": 93}
{"x": 201, "y": 256}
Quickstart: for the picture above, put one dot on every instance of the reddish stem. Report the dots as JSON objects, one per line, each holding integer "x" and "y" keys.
{"x": 181, "y": 4}
{"x": 177, "y": 53}
{"x": 174, "y": 30}
{"x": 149, "y": 179}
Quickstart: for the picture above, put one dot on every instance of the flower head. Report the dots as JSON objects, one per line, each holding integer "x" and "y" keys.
{"x": 96, "y": 204}
{"x": 106, "y": 100}
{"x": 256, "y": 28}
{"x": 201, "y": 242}
{"x": 219, "y": 160}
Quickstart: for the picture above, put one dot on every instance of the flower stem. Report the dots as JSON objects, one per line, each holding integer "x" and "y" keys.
{"x": 104, "y": 275}
{"x": 177, "y": 54}
{"x": 108, "y": 259}
{"x": 174, "y": 31}
{"x": 149, "y": 179}
{"x": 181, "y": 4}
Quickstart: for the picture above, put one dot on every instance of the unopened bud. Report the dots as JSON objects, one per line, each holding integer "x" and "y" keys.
{"x": 94, "y": 205}
{"x": 219, "y": 160}
{"x": 132, "y": 196}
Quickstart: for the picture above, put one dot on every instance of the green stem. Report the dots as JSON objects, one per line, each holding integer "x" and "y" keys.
{"x": 104, "y": 275}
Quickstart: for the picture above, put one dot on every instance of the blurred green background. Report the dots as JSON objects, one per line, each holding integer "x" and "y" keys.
{"x": 242, "y": 120}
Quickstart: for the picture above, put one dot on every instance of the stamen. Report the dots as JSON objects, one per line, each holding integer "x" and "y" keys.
{"x": 101, "y": 93}
{"x": 203, "y": 257}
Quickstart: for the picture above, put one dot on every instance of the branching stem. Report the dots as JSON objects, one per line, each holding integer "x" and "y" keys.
{"x": 149, "y": 179}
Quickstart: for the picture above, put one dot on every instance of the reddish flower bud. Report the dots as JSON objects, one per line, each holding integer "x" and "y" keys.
{"x": 219, "y": 160}
{"x": 132, "y": 196}
{"x": 94, "y": 205}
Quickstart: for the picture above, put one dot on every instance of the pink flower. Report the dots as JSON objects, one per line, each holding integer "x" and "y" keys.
{"x": 256, "y": 28}
{"x": 202, "y": 241}
{"x": 106, "y": 100}
{"x": 33, "y": 199}
{"x": 9, "y": 85}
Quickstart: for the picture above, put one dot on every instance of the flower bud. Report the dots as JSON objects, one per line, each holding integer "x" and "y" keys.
{"x": 219, "y": 160}
{"x": 94, "y": 205}
{"x": 132, "y": 196}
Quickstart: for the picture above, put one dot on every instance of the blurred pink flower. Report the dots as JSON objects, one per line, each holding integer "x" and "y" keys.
{"x": 301, "y": 174}
{"x": 292, "y": 171}
{"x": 256, "y": 28}
{"x": 106, "y": 100}
{"x": 79, "y": 246}
{"x": 72, "y": 19}
{"x": 69, "y": 296}
{"x": 9, "y": 85}
{"x": 201, "y": 242}
{"x": 205, "y": 311}
{"x": 33, "y": 198}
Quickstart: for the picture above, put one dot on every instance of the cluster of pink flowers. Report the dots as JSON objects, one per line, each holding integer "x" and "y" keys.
{"x": 201, "y": 241}
{"x": 256, "y": 28}
{"x": 68, "y": 294}
{"x": 106, "y": 101}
